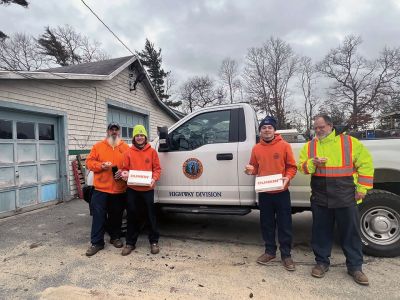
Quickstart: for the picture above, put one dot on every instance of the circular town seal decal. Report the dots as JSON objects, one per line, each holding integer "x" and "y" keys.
{"x": 192, "y": 168}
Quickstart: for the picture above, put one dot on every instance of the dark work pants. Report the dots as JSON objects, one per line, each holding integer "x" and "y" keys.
{"x": 141, "y": 204}
{"x": 347, "y": 220}
{"x": 103, "y": 205}
{"x": 276, "y": 211}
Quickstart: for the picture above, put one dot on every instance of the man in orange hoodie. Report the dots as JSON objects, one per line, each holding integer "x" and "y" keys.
{"x": 141, "y": 157}
{"x": 272, "y": 155}
{"x": 106, "y": 161}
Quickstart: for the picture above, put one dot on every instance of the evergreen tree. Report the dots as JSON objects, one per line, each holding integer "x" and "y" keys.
{"x": 152, "y": 60}
{"x": 52, "y": 47}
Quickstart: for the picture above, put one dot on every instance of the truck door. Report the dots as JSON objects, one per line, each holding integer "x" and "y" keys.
{"x": 201, "y": 164}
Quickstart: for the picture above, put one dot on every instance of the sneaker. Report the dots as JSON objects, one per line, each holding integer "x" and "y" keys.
{"x": 265, "y": 258}
{"x": 288, "y": 264}
{"x": 93, "y": 249}
{"x": 127, "y": 250}
{"x": 319, "y": 270}
{"x": 154, "y": 248}
{"x": 359, "y": 277}
{"x": 117, "y": 243}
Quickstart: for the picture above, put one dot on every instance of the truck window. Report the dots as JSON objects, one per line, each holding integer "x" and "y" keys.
{"x": 207, "y": 128}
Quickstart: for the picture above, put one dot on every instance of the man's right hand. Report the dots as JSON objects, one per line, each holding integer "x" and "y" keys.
{"x": 319, "y": 161}
{"x": 249, "y": 170}
{"x": 124, "y": 175}
{"x": 106, "y": 165}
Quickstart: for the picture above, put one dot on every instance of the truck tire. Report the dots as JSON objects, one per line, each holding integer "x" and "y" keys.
{"x": 380, "y": 224}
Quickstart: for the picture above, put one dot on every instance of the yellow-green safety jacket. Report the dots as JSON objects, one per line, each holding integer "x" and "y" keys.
{"x": 349, "y": 168}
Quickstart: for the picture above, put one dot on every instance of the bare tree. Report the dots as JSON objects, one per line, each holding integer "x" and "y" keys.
{"x": 308, "y": 76}
{"x": 267, "y": 74}
{"x": 228, "y": 73}
{"x": 238, "y": 86}
{"x": 170, "y": 90}
{"x": 170, "y": 84}
{"x": 20, "y": 52}
{"x": 91, "y": 51}
{"x": 359, "y": 85}
{"x": 254, "y": 76}
{"x": 198, "y": 92}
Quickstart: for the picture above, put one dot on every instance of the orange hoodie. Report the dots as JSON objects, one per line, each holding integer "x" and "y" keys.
{"x": 145, "y": 159}
{"x": 103, "y": 179}
{"x": 272, "y": 158}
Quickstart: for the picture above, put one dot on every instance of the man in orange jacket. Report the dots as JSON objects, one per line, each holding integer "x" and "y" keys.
{"x": 272, "y": 155}
{"x": 106, "y": 161}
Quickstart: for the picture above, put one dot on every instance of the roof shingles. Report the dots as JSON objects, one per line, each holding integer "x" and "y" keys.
{"x": 105, "y": 67}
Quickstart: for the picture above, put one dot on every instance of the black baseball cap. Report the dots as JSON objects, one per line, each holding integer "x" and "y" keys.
{"x": 113, "y": 124}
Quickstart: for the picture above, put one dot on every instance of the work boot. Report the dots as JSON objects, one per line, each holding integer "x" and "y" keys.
{"x": 265, "y": 258}
{"x": 127, "y": 250}
{"x": 154, "y": 248}
{"x": 319, "y": 270}
{"x": 117, "y": 243}
{"x": 93, "y": 249}
{"x": 359, "y": 277}
{"x": 288, "y": 264}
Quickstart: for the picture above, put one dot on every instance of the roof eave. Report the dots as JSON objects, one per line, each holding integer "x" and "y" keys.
{"x": 154, "y": 93}
{"x": 48, "y": 75}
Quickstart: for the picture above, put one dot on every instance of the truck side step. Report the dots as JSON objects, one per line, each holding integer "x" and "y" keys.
{"x": 217, "y": 210}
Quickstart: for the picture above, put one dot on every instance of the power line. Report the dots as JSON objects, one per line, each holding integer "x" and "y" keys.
{"x": 109, "y": 29}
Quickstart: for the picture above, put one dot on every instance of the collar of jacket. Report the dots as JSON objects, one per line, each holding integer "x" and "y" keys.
{"x": 147, "y": 146}
{"x": 276, "y": 139}
{"x": 119, "y": 144}
{"x": 329, "y": 138}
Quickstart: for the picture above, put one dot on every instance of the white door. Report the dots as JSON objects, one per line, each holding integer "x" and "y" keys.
{"x": 202, "y": 164}
{"x": 29, "y": 162}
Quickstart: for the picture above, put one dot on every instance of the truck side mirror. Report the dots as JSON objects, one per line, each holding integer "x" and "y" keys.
{"x": 163, "y": 139}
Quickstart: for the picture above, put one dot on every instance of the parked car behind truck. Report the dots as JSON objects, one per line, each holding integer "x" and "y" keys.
{"x": 203, "y": 156}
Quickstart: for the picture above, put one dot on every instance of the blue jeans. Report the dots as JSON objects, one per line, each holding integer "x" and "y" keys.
{"x": 140, "y": 207}
{"x": 276, "y": 211}
{"x": 347, "y": 220}
{"x": 107, "y": 209}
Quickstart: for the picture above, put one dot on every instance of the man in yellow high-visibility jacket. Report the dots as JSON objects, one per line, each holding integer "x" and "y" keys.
{"x": 342, "y": 172}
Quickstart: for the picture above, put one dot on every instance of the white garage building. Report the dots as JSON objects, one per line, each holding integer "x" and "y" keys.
{"x": 48, "y": 117}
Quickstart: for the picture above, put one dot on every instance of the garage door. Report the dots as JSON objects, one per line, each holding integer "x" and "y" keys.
{"x": 127, "y": 119}
{"x": 29, "y": 162}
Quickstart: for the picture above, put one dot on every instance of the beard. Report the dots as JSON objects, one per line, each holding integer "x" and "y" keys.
{"x": 113, "y": 140}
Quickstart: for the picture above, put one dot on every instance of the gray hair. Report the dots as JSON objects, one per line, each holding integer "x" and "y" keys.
{"x": 327, "y": 119}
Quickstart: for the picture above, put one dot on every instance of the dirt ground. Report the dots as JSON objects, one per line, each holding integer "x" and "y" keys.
{"x": 42, "y": 256}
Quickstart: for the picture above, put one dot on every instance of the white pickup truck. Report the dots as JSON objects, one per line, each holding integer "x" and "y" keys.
{"x": 204, "y": 154}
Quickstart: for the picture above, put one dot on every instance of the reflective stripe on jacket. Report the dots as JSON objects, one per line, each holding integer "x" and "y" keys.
{"x": 346, "y": 156}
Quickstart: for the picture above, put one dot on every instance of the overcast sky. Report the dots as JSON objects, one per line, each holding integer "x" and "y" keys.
{"x": 195, "y": 36}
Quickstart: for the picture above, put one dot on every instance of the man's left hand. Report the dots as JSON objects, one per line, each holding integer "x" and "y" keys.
{"x": 360, "y": 196}
{"x": 286, "y": 181}
{"x": 153, "y": 183}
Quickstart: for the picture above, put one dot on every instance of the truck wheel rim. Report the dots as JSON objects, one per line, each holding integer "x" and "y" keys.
{"x": 381, "y": 225}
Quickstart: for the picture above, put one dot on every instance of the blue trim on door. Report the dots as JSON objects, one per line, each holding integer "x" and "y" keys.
{"x": 62, "y": 134}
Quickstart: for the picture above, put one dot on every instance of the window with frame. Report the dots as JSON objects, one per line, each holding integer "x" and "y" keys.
{"x": 127, "y": 120}
{"x": 207, "y": 128}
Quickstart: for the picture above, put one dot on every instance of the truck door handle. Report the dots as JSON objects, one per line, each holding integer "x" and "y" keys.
{"x": 224, "y": 156}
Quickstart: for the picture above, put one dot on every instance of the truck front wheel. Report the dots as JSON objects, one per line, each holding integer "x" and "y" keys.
{"x": 380, "y": 224}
